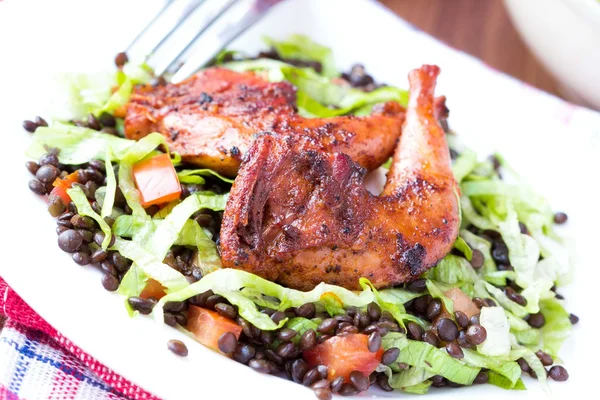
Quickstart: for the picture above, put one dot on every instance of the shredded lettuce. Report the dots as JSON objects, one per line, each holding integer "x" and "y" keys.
{"x": 301, "y": 47}
{"x": 83, "y": 207}
{"x": 229, "y": 282}
{"x": 434, "y": 360}
{"x": 111, "y": 187}
{"x": 151, "y": 265}
{"x": 495, "y": 322}
{"x": 195, "y": 176}
{"x": 557, "y": 327}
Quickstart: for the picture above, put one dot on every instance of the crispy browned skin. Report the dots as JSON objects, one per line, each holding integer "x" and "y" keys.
{"x": 211, "y": 120}
{"x": 301, "y": 217}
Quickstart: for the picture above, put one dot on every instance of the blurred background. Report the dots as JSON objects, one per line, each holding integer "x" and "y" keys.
{"x": 553, "y": 45}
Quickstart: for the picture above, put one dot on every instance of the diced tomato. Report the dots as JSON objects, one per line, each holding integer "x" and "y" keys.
{"x": 344, "y": 354}
{"x": 208, "y": 326}
{"x": 462, "y": 302}
{"x": 62, "y": 184}
{"x": 60, "y": 192}
{"x": 156, "y": 180}
{"x": 153, "y": 289}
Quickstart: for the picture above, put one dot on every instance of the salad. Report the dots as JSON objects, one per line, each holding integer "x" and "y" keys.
{"x": 488, "y": 312}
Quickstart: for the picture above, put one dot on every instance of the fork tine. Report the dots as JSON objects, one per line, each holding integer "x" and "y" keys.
{"x": 246, "y": 14}
{"x": 148, "y": 26}
{"x": 186, "y": 13}
{"x": 162, "y": 26}
{"x": 208, "y": 20}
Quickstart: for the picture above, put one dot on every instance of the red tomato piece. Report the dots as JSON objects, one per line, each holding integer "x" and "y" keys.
{"x": 153, "y": 289}
{"x": 344, "y": 354}
{"x": 208, "y": 326}
{"x": 61, "y": 185}
{"x": 156, "y": 180}
{"x": 62, "y": 193}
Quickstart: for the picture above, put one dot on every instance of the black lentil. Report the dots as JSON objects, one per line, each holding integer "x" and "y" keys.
{"x": 327, "y": 326}
{"x": 227, "y": 342}
{"x": 56, "y": 206}
{"x": 311, "y": 377}
{"x": 298, "y": 369}
{"x": 40, "y": 121}
{"x": 374, "y": 311}
{"x": 306, "y": 310}
{"x": 121, "y": 263}
{"x": 417, "y": 286}
{"x": 47, "y": 173}
{"x": 110, "y": 282}
{"x": 477, "y": 259}
{"x": 461, "y": 319}
{"x": 454, "y": 350}
{"x": 144, "y": 306}
{"x": 415, "y": 331}
{"x": 536, "y": 320}
{"x": 523, "y": 364}
{"x": 434, "y": 309}
{"x": 177, "y": 347}
{"x": 213, "y": 300}
{"x": 278, "y": 316}
{"x": 308, "y": 339}
{"x": 420, "y": 304}
{"x": 500, "y": 253}
{"x": 514, "y": 296}
{"x": 37, "y": 187}
{"x": 374, "y": 342}
{"x": 390, "y": 356}
{"x": 286, "y": 334}
{"x": 558, "y": 373}
{"x": 347, "y": 389}
{"x": 107, "y": 119}
{"x": 560, "y": 218}
{"x": 30, "y": 126}
{"x": 93, "y": 123}
{"x": 81, "y": 258}
{"x": 431, "y": 337}
{"x": 244, "y": 353}
{"x": 267, "y": 337}
{"x": 359, "y": 381}
{"x": 32, "y": 167}
{"x": 323, "y": 393}
{"x": 108, "y": 268}
{"x": 474, "y": 319}
{"x": 482, "y": 377}
{"x": 545, "y": 358}
{"x": 383, "y": 382}
{"x": 446, "y": 329}
{"x": 226, "y": 310}
{"x": 286, "y": 349}
{"x": 70, "y": 241}
{"x": 573, "y": 318}
{"x": 476, "y": 334}
{"x": 336, "y": 384}
{"x": 98, "y": 256}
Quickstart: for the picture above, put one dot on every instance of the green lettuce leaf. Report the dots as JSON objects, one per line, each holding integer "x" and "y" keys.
{"x": 151, "y": 265}
{"x": 434, "y": 360}
{"x": 461, "y": 245}
{"x": 195, "y": 176}
{"x": 84, "y": 208}
{"x": 302, "y": 47}
{"x": 557, "y": 327}
{"x": 504, "y": 383}
{"x": 495, "y": 322}
{"x": 111, "y": 187}
{"x": 229, "y": 282}
{"x": 464, "y": 165}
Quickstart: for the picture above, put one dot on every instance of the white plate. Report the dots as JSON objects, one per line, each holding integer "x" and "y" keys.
{"x": 552, "y": 144}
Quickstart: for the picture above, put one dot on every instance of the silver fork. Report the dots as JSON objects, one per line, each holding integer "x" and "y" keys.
{"x": 185, "y": 35}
